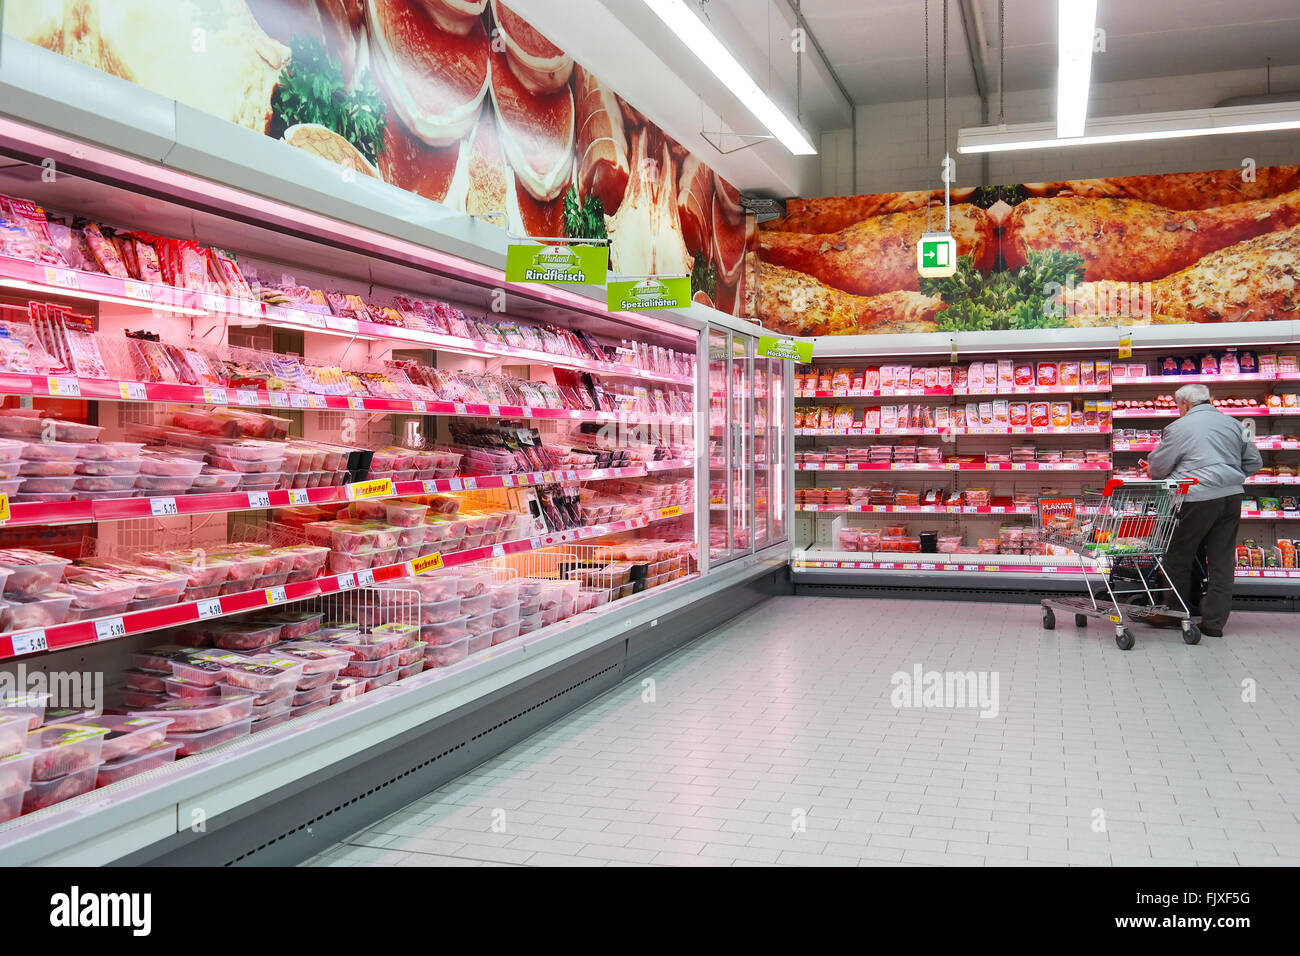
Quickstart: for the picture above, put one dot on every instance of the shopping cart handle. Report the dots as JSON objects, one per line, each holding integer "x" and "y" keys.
{"x": 1185, "y": 485}
{"x": 1111, "y": 486}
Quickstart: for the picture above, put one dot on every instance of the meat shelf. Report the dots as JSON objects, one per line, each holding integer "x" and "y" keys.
{"x": 978, "y": 430}
{"x": 957, "y": 466}
{"x": 1200, "y": 379}
{"x": 1235, "y": 412}
{"x": 51, "y": 280}
{"x": 1261, "y": 444}
{"x": 42, "y": 386}
{"x": 949, "y": 392}
{"x": 980, "y": 563}
{"x": 941, "y": 511}
{"x": 120, "y": 509}
{"x": 78, "y": 633}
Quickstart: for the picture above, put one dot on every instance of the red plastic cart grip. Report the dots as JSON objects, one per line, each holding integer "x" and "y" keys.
{"x": 1185, "y": 485}
{"x": 1111, "y": 486}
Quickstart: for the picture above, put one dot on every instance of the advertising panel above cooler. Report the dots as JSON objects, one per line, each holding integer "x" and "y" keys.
{"x": 1173, "y": 249}
{"x": 461, "y": 102}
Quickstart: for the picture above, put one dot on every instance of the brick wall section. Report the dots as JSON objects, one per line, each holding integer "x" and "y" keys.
{"x": 891, "y": 137}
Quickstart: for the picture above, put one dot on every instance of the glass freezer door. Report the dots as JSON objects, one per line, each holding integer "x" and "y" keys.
{"x": 719, "y": 449}
{"x": 763, "y": 476}
{"x": 741, "y": 422}
{"x": 779, "y": 413}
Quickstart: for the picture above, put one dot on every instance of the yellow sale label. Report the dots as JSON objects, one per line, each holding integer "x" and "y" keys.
{"x": 376, "y": 488}
{"x": 672, "y": 512}
{"x": 430, "y": 562}
{"x": 4, "y": 507}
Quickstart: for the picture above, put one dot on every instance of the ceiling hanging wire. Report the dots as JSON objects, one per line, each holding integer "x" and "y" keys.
{"x": 927, "y": 107}
{"x": 947, "y": 160}
{"x": 1002, "y": 62}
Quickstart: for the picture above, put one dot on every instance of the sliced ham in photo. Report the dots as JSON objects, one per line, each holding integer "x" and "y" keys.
{"x": 412, "y": 164}
{"x": 489, "y": 179}
{"x": 537, "y": 133}
{"x": 602, "y": 142}
{"x": 456, "y": 16}
{"x": 434, "y": 79}
{"x": 540, "y": 65}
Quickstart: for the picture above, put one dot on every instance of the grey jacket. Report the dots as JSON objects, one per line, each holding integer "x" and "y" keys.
{"x": 1209, "y": 446}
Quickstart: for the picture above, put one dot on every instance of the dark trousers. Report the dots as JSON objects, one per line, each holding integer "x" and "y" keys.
{"x": 1209, "y": 527}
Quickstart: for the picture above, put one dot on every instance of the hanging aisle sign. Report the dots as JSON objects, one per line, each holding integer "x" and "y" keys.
{"x": 579, "y": 265}
{"x": 651, "y": 292}
{"x": 792, "y": 350}
{"x": 936, "y": 255}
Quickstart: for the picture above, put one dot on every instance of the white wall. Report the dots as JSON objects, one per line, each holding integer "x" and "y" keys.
{"x": 891, "y": 137}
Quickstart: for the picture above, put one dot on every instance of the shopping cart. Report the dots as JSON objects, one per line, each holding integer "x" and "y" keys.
{"x": 1121, "y": 534}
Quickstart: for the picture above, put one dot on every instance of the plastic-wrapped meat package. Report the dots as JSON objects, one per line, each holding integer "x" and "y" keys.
{"x": 128, "y": 736}
{"x": 30, "y": 572}
{"x": 190, "y": 744}
{"x": 346, "y": 688}
{"x": 62, "y": 749}
{"x": 193, "y": 715}
{"x": 155, "y": 756}
{"x": 264, "y": 672}
{"x": 97, "y": 592}
{"x": 46, "y": 793}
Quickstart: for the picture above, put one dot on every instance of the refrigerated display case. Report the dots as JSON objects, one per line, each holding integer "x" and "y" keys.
{"x": 250, "y": 459}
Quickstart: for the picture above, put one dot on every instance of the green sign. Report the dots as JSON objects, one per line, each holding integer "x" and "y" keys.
{"x": 649, "y": 293}
{"x": 583, "y": 265}
{"x": 792, "y": 350}
{"x": 936, "y": 255}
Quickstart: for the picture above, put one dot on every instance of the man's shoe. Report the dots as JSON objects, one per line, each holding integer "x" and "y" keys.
{"x": 1212, "y": 631}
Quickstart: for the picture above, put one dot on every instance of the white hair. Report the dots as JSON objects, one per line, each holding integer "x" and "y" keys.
{"x": 1192, "y": 394}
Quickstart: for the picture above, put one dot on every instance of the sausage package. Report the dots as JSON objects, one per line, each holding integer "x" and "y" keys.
{"x": 1018, "y": 414}
{"x": 1047, "y": 373}
{"x": 1039, "y": 416}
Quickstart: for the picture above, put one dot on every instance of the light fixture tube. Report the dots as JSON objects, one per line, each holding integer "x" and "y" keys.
{"x": 1075, "y": 28}
{"x": 701, "y": 41}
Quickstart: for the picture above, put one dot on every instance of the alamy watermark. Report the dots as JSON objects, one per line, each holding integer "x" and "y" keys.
{"x": 79, "y": 690}
{"x": 946, "y": 689}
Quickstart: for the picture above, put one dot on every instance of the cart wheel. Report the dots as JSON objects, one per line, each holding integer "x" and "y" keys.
{"x": 1191, "y": 634}
{"x": 1049, "y": 619}
{"x": 1080, "y": 620}
{"x": 1124, "y": 640}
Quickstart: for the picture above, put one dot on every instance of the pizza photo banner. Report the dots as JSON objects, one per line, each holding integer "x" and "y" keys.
{"x": 459, "y": 101}
{"x": 1178, "y": 248}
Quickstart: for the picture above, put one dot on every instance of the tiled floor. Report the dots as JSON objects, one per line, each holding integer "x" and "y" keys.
{"x": 774, "y": 741}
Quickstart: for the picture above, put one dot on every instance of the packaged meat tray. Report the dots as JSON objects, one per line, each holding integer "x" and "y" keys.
{"x": 95, "y": 592}
{"x": 296, "y": 625}
{"x": 506, "y": 633}
{"x": 43, "y": 609}
{"x": 321, "y": 693}
{"x": 13, "y": 733}
{"x": 366, "y": 649}
{"x": 307, "y": 557}
{"x": 26, "y": 424}
{"x": 52, "y": 451}
{"x": 94, "y": 613}
{"x": 200, "y": 570}
{"x": 160, "y": 465}
{"x": 346, "y": 688}
{"x": 128, "y": 736}
{"x": 404, "y": 514}
{"x": 49, "y": 486}
{"x": 503, "y": 595}
{"x": 440, "y": 611}
{"x": 479, "y": 604}
{"x": 316, "y": 658}
{"x": 30, "y": 571}
{"x": 180, "y": 687}
{"x": 530, "y": 623}
{"x": 404, "y": 632}
{"x": 444, "y": 632}
{"x": 159, "y": 659}
{"x": 11, "y": 449}
{"x": 379, "y": 680}
{"x": 480, "y": 642}
{"x": 199, "y": 714}
{"x": 109, "y": 467}
{"x": 214, "y": 481}
{"x": 432, "y": 588}
{"x": 152, "y": 757}
{"x": 272, "y": 703}
{"x": 502, "y": 616}
{"x": 46, "y": 793}
{"x": 251, "y": 450}
{"x": 189, "y": 744}
{"x": 111, "y": 451}
{"x": 202, "y": 669}
{"x": 62, "y": 749}
{"x": 29, "y": 707}
{"x": 371, "y": 668}
{"x": 311, "y": 681}
{"x": 478, "y": 625}
{"x": 264, "y": 673}
{"x": 411, "y": 669}
{"x": 51, "y": 468}
{"x": 15, "y": 773}
{"x": 105, "y": 482}
{"x": 244, "y": 637}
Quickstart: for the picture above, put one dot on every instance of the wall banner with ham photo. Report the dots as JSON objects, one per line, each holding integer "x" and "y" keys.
{"x": 1136, "y": 250}
{"x": 459, "y": 101}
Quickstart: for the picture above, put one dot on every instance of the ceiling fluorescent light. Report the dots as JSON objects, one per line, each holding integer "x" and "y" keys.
{"x": 692, "y": 31}
{"x": 1261, "y": 118}
{"x": 1075, "y": 29}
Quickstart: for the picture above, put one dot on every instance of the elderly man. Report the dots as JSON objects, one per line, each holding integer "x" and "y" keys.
{"x": 1207, "y": 445}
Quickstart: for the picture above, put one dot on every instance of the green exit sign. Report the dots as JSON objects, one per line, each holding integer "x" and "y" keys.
{"x": 936, "y": 255}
